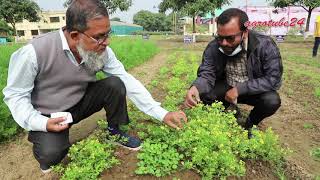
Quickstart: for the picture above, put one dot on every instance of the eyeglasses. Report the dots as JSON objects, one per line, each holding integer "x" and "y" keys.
{"x": 99, "y": 39}
{"x": 229, "y": 39}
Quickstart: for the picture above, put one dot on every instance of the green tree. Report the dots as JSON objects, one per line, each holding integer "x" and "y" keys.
{"x": 192, "y": 8}
{"x": 12, "y": 11}
{"x": 111, "y": 5}
{"x": 5, "y": 28}
{"x": 115, "y": 19}
{"x": 152, "y": 21}
{"x": 308, "y": 5}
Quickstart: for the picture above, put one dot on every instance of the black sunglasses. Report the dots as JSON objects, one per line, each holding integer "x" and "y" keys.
{"x": 229, "y": 39}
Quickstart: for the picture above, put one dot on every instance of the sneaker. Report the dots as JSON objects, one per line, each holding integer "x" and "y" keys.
{"x": 46, "y": 171}
{"x": 125, "y": 140}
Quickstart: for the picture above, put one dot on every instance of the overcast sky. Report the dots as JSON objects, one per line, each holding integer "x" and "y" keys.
{"x": 151, "y": 5}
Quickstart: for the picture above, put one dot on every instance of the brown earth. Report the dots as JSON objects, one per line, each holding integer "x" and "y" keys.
{"x": 17, "y": 161}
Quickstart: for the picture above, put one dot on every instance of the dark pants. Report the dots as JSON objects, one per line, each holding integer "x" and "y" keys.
{"x": 50, "y": 148}
{"x": 265, "y": 104}
{"x": 315, "y": 47}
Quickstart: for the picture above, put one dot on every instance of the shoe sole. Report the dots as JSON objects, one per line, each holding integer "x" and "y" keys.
{"x": 126, "y": 147}
{"x": 46, "y": 171}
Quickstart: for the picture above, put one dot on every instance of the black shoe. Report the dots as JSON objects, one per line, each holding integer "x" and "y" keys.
{"x": 248, "y": 126}
{"x": 250, "y": 135}
{"x": 125, "y": 140}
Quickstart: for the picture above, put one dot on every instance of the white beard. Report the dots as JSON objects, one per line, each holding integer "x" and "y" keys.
{"x": 93, "y": 61}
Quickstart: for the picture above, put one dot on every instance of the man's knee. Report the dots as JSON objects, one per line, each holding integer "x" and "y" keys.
{"x": 115, "y": 84}
{"x": 271, "y": 101}
{"x": 48, "y": 156}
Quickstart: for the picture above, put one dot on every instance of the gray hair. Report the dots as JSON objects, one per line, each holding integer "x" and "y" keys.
{"x": 79, "y": 12}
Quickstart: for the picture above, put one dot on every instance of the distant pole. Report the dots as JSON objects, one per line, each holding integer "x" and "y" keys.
{"x": 288, "y": 18}
{"x": 173, "y": 22}
{"x": 247, "y": 6}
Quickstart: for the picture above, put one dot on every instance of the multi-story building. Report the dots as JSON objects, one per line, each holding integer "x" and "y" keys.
{"x": 53, "y": 20}
{"x": 49, "y": 21}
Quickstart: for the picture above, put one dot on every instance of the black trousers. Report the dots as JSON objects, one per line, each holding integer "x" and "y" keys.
{"x": 265, "y": 104}
{"x": 316, "y": 46}
{"x": 49, "y": 148}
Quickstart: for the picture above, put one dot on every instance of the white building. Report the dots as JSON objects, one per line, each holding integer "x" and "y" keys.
{"x": 49, "y": 21}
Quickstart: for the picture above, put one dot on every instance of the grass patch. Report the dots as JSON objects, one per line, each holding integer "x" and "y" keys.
{"x": 8, "y": 126}
{"x": 308, "y": 126}
{"x": 316, "y": 153}
{"x": 133, "y": 51}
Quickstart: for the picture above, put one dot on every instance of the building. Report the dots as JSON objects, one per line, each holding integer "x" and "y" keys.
{"x": 49, "y": 21}
{"x": 122, "y": 28}
{"x": 54, "y": 20}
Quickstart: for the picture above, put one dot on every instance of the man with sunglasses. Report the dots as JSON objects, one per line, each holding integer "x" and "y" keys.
{"x": 239, "y": 66}
{"x": 56, "y": 72}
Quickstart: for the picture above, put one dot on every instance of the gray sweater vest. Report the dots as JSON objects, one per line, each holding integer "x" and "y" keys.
{"x": 59, "y": 84}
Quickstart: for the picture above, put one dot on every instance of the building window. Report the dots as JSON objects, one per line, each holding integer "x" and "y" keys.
{"x": 20, "y": 32}
{"x": 34, "y": 32}
{"x": 54, "y": 19}
{"x": 63, "y": 17}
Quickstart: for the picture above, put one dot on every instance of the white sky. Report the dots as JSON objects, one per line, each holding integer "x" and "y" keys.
{"x": 151, "y": 5}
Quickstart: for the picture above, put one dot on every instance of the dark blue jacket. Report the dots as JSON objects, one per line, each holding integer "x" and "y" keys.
{"x": 264, "y": 66}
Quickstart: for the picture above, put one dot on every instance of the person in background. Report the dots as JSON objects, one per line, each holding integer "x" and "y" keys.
{"x": 56, "y": 72}
{"x": 316, "y": 37}
{"x": 239, "y": 66}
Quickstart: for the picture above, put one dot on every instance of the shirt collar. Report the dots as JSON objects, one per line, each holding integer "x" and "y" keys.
{"x": 65, "y": 45}
{"x": 245, "y": 44}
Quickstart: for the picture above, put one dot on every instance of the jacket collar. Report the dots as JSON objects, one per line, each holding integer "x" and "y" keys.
{"x": 253, "y": 41}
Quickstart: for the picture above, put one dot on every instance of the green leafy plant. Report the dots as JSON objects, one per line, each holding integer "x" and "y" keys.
{"x": 212, "y": 143}
{"x": 157, "y": 159}
{"x": 316, "y": 153}
{"x": 89, "y": 157}
{"x": 308, "y": 126}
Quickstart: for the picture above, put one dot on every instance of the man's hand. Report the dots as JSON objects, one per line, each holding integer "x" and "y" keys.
{"x": 53, "y": 124}
{"x": 192, "y": 97}
{"x": 232, "y": 95}
{"x": 175, "y": 119}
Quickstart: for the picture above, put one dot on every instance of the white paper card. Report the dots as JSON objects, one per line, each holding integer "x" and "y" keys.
{"x": 67, "y": 115}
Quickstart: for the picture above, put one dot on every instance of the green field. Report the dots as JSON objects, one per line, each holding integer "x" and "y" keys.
{"x": 131, "y": 51}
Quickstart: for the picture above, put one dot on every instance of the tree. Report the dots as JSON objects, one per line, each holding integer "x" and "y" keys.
{"x": 4, "y": 28}
{"x": 308, "y": 5}
{"x": 12, "y": 11}
{"x": 152, "y": 21}
{"x": 111, "y": 5}
{"x": 115, "y": 19}
{"x": 192, "y": 8}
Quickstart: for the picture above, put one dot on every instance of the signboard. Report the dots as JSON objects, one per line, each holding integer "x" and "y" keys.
{"x": 187, "y": 39}
{"x": 145, "y": 36}
{"x": 280, "y": 38}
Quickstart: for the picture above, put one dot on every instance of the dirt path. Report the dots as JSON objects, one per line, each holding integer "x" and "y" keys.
{"x": 288, "y": 123}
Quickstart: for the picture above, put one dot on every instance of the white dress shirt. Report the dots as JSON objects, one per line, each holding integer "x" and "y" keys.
{"x": 23, "y": 69}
